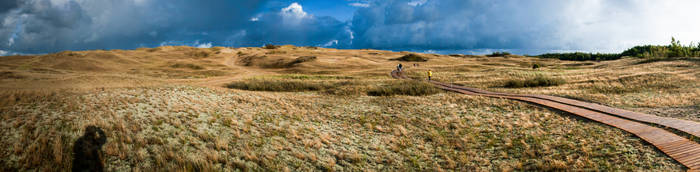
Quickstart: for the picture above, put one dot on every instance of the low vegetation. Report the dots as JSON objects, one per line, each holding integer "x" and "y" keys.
{"x": 537, "y": 81}
{"x": 279, "y": 85}
{"x": 412, "y": 58}
{"x": 404, "y": 87}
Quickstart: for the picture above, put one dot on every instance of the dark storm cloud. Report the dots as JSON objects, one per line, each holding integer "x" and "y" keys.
{"x": 7, "y": 5}
{"x": 596, "y": 25}
{"x": 38, "y": 26}
{"x": 41, "y": 26}
{"x": 452, "y": 24}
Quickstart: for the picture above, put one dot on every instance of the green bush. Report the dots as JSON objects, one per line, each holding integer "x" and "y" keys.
{"x": 538, "y": 81}
{"x": 412, "y": 58}
{"x": 279, "y": 85}
{"x": 270, "y": 46}
{"x": 404, "y": 87}
{"x": 536, "y": 66}
{"x": 498, "y": 54}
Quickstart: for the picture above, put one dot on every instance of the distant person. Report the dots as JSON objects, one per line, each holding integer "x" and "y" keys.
{"x": 400, "y": 67}
{"x": 87, "y": 150}
{"x": 430, "y": 74}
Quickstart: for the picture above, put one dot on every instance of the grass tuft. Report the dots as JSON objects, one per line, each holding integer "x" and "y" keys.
{"x": 187, "y": 65}
{"x": 404, "y": 87}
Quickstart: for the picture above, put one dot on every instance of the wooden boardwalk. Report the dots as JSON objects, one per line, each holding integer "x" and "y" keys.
{"x": 681, "y": 149}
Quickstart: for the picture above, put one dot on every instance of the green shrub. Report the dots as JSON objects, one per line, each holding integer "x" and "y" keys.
{"x": 498, "y": 54}
{"x": 404, "y": 87}
{"x": 270, "y": 46}
{"x": 538, "y": 81}
{"x": 536, "y": 66}
{"x": 412, "y": 58}
{"x": 279, "y": 85}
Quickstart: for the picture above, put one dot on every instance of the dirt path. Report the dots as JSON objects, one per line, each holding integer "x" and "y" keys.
{"x": 681, "y": 149}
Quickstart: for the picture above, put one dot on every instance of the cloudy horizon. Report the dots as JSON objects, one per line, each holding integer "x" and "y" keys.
{"x": 445, "y": 26}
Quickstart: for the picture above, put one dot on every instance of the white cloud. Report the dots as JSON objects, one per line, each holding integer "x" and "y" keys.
{"x": 196, "y": 44}
{"x": 294, "y": 11}
{"x": 10, "y": 41}
{"x": 3, "y": 53}
{"x": 330, "y": 43}
{"x": 204, "y": 45}
{"x": 417, "y": 3}
{"x": 254, "y": 19}
{"x": 357, "y": 4}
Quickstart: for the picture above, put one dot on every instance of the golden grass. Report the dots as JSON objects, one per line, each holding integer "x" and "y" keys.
{"x": 200, "y": 128}
{"x": 175, "y": 119}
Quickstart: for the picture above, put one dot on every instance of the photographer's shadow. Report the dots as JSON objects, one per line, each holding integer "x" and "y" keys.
{"x": 87, "y": 150}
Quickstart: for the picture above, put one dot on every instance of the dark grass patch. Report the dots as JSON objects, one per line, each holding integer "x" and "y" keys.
{"x": 279, "y": 85}
{"x": 10, "y": 75}
{"x": 314, "y": 77}
{"x": 198, "y": 53}
{"x": 412, "y": 58}
{"x": 302, "y": 59}
{"x": 538, "y": 81}
{"x": 404, "y": 87}
{"x": 187, "y": 65}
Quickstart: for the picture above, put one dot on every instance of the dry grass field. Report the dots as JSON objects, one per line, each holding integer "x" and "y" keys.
{"x": 314, "y": 109}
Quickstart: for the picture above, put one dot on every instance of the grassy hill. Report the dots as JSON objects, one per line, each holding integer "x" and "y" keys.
{"x": 277, "y": 108}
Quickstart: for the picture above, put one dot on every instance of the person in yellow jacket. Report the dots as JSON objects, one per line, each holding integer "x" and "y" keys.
{"x": 430, "y": 74}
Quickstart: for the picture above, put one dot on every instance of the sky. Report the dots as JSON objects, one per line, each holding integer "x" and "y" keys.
{"x": 437, "y": 26}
